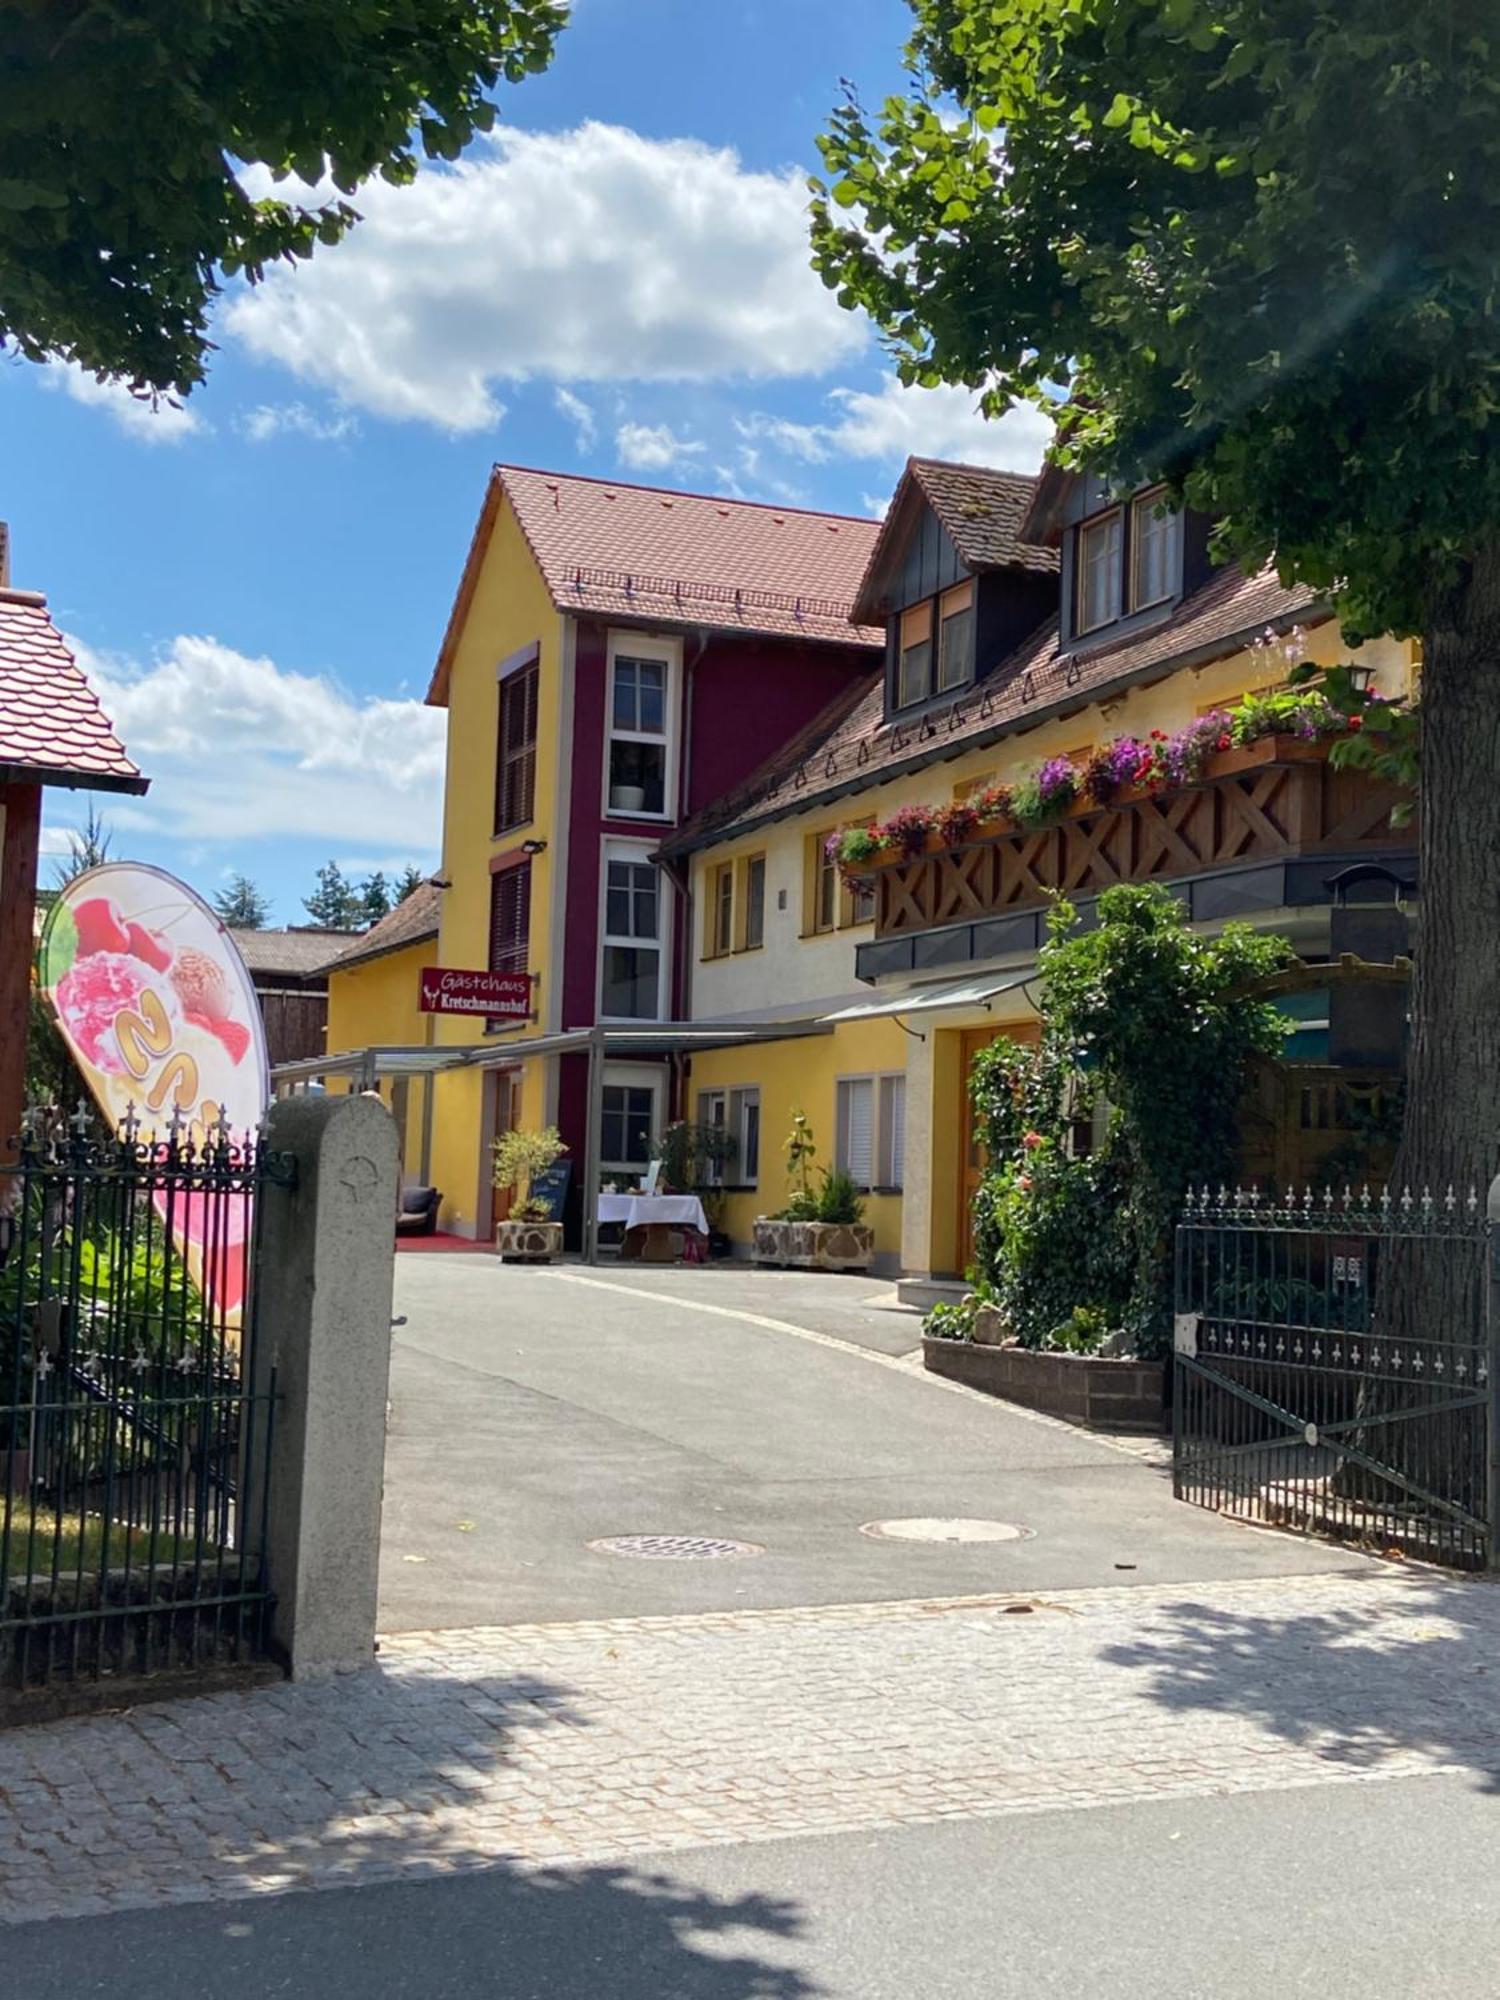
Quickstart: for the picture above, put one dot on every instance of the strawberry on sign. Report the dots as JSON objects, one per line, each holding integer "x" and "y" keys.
{"x": 444, "y": 989}
{"x": 159, "y": 1012}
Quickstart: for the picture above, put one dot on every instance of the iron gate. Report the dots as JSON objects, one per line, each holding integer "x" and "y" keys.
{"x": 1333, "y": 1367}
{"x": 134, "y": 1436}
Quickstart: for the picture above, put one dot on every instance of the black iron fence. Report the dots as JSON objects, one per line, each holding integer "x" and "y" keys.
{"x": 134, "y": 1452}
{"x": 1333, "y": 1359}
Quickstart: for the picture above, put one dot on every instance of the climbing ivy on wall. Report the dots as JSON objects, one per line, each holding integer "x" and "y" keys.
{"x": 1151, "y": 1027}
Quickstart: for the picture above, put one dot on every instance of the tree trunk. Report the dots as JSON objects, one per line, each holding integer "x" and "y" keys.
{"x": 1451, "y": 1134}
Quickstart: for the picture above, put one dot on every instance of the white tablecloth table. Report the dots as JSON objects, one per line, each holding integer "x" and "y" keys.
{"x": 641, "y": 1211}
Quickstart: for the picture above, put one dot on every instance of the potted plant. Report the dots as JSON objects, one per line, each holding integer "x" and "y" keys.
{"x": 528, "y": 1235}
{"x": 821, "y": 1228}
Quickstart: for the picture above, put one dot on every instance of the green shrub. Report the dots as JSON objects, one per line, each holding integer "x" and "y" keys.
{"x": 840, "y": 1199}
{"x": 1148, "y": 1023}
{"x": 948, "y": 1321}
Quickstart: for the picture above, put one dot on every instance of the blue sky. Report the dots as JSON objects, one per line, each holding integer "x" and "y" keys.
{"x": 617, "y": 284}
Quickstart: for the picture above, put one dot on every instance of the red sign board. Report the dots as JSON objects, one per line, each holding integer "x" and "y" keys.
{"x": 445, "y": 990}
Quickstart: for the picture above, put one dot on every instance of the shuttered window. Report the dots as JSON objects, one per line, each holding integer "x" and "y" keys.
{"x": 515, "y": 756}
{"x": 870, "y": 1144}
{"x": 510, "y": 919}
{"x": 856, "y": 1133}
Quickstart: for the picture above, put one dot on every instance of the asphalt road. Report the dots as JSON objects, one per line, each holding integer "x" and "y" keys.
{"x": 1348, "y": 1892}
{"x": 536, "y": 1411}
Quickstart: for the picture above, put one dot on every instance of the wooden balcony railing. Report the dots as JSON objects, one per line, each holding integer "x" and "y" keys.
{"x": 1276, "y": 799}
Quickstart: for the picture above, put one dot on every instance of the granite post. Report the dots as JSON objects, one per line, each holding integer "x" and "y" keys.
{"x": 323, "y": 1278}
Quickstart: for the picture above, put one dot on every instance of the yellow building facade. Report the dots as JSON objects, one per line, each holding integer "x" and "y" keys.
{"x": 806, "y": 967}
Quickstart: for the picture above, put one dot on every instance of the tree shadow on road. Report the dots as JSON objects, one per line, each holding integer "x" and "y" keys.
{"x": 1411, "y": 1676}
{"x": 501, "y": 1810}
{"x": 599, "y": 1933}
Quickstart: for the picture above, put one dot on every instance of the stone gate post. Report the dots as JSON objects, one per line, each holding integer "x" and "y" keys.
{"x": 323, "y": 1285}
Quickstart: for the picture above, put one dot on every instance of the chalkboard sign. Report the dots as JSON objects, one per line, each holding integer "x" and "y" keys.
{"x": 550, "y": 1187}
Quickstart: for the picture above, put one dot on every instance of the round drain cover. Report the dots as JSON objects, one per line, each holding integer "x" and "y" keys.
{"x": 674, "y": 1548}
{"x": 926, "y": 1528}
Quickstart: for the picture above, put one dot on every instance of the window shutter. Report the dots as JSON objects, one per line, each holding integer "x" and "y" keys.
{"x": 856, "y": 1129}
{"x": 510, "y": 919}
{"x": 893, "y": 1132}
{"x": 515, "y": 768}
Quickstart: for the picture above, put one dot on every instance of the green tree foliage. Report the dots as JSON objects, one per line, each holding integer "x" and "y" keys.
{"x": 1149, "y": 1022}
{"x": 125, "y": 133}
{"x": 518, "y": 1158}
{"x": 1247, "y": 247}
{"x": 408, "y": 881}
{"x": 88, "y": 847}
{"x": 241, "y": 905}
{"x": 335, "y": 904}
{"x": 375, "y": 900}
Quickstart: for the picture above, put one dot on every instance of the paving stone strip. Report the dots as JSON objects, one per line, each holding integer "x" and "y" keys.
{"x": 542, "y": 1745}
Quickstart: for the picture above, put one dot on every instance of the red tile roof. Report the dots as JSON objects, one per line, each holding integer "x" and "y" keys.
{"x": 854, "y": 748}
{"x": 416, "y": 917}
{"x": 647, "y": 553}
{"x": 52, "y": 728}
{"x": 982, "y": 510}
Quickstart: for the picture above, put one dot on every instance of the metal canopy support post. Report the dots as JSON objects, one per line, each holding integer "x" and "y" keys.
{"x": 593, "y": 1140}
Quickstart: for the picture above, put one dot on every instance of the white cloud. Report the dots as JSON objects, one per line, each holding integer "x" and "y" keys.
{"x": 589, "y": 255}
{"x": 805, "y": 441}
{"x": 580, "y": 415}
{"x": 653, "y": 447}
{"x": 895, "y": 421}
{"x": 240, "y": 750}
{"x": 161, "y": 422}
{"x": 272, "y": 420}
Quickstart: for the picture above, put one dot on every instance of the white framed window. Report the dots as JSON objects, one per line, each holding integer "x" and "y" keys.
{"x": 630, "y": 1098}
{"x": 1098, "y": 581}
{"x": 736, "y": 1112}
{"x": 870, "y": 1130}
{"x": 632, "y": 935}
{"x": 1152, "y": 543}
{"x": 640, "y": 751}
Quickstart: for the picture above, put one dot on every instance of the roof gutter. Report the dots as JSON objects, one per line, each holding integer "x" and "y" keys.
{"x": 77, "y": 781}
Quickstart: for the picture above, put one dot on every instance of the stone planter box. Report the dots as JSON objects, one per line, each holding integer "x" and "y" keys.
{"x": 813, "y": 1246}
{"x": 529, "y": 1242}
{"x": 1100, "y": 1392}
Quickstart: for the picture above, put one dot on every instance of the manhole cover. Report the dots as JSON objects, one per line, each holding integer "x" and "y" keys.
{"x": 674, "y": 1548}
{"x": 926, "y": 1528}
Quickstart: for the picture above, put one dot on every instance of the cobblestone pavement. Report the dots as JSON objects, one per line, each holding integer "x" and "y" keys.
{"x": 584, "y": 1742}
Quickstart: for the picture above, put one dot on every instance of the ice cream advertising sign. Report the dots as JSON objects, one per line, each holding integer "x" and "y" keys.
{"x": 158, "y": 1010}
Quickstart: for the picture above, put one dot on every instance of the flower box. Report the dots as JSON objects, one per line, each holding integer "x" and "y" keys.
{"x": 528, "y": 1242}
{"x": 1267, "y": 752}
{"x": 1100, "y": 1392}
{"x": 813, "y": 1246}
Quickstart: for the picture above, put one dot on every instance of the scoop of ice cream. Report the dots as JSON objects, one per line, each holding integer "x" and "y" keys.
{"x": 91, "y": 995}
{"x": 200, "y": 985}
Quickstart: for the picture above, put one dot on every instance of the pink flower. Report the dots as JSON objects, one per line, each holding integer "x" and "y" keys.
{"x": 1031, "y": 1140}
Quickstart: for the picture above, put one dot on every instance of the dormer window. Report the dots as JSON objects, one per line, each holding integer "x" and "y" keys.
{"x": 1126, "y": 561}
{"x": 956, "y": 636}
{"x": 915, "y": 677}
{"x": 1099, "y": 549}
{"x": 1152, "y": 541}
{"x": 935, "y": 646}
